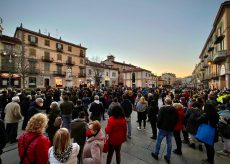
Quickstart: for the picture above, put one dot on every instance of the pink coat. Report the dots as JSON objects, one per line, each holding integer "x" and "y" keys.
{"x": 92, "y": 153}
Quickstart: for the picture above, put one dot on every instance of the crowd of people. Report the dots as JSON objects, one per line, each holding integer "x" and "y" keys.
{"x": 64, "y": 126}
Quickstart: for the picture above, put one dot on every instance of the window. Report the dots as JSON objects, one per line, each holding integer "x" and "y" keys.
{"x": 32, "y": 65}
{"x": 47, "y": 55}
{"x": 69, "y": 48}
{"x": 8, "y": 47}
{"x": 146, "y": 75}
{"x": 59, "y": 69}
{"x": 32, "y": 81}
{"x": 107, "y": 73}
{"x": 32, "y": 52}
{"x": 47, "y": 42}
{"x": 59, "y": 46}
{"x": 32, "y": 39}
{"x": 81, "y": 61}
{"x": 82, "y": 53}
{"x": 90, "y": 72}
{"x": 114, "y": 74}
{"x": 47, "y": 67}
{"x": 69, "y": 59}
{"x": 59, "y": 57}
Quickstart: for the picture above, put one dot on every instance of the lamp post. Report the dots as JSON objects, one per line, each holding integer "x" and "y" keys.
{"x": 10, "y": 54}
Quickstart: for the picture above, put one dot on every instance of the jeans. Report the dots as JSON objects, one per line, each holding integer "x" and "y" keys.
{"x": 160, "y": 137}
{"x": 129, "y": 127}
{"x": 66, "y": 121}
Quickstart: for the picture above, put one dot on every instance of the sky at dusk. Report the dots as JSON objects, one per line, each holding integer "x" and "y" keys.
{"x": 158, "y": 35}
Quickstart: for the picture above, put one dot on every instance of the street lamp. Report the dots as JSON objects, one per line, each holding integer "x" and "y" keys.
{"x": 10, "y": 54}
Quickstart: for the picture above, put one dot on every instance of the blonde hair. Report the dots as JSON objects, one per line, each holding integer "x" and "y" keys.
{"x": 37, "y": 123}
{"x": 142, "y": 100}
{"x": 177, "y": 106}
{"x": 61, "y": 140}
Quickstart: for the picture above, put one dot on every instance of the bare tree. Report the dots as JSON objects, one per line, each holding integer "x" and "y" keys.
{"x": 22, "y": 66}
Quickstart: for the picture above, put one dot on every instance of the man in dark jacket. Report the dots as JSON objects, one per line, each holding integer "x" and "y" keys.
{"x": 35, "y": 107}
{"x": 128, "y": 107}
{"x": 166, "y": 122}
{"x": 78, "y": 132}
{"x": 4, "y": 99}
{"x": 3, "y": 138}
{"x": 96, "y": 108}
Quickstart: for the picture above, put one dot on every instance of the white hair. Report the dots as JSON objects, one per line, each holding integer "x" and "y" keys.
{"x": 15, "y": 99}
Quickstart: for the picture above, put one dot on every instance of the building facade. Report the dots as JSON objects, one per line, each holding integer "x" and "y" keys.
{"x": 10, "y": 51}
{"x": 213, "y": 70}
{"x": 169, "y": 78}
{"x": 51, "y": 61}
{"x": 100, "y": 74}
{"x": 138, "y": 77}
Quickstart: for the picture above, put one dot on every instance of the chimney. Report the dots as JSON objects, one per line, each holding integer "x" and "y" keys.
{"x": 60, "y": 38}
{"x": 21, "y": 25}
{"x": 48, "y": 34}
{"x": 39, "y": 31}
{"x": 1, "y": 29}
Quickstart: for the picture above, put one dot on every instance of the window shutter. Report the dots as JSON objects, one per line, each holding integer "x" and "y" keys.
{"x": 36, "y": 39}
{"x": 29, "y": 38}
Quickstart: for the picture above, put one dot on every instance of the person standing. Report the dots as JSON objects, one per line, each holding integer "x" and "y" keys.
{"x": 66, "y": 111}
{"x": 96, "y": 108}
{"x": 152, "y": 115}
{"x": 166, "y": 122}
{"x": 35, "y": 107}
{"x": 141, "y": 108}
{"x": 4, "y": 99}
{"x": 25, "y": 110}
{"x": 210, "y": 117}
{"x": 12, "y": 117}
{"x": 128, "y": 108}
{"x": 33, "y": 145}
{"x": 178, "y": 128}
{"x": 3, "y": 138}
{"x": 63, "y": 151}
{"x": 78, "y": 132}
{"x": 54, "y": 113}
{"x": 116, "y": 129}
{"x": 92, "y": 153}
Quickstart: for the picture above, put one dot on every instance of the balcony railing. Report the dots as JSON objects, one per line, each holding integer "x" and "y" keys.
{"x": 82, "y": 54}
{"x": 220, "y": 56}
{"x": 59, "y": 73}
{"x": 81, "y": 75}
{"x": 219, "y": 39}
{"x": 47, "y": 59}
{"x": 69, "y": 62}
{"x": 6, "y": 69}
{"x": 33, "y": 71}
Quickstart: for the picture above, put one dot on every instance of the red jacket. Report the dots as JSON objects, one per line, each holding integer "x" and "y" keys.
{"x": 116, "y": 129}
{"x": 37, "y": 152}
{"x": 179, "y": 125}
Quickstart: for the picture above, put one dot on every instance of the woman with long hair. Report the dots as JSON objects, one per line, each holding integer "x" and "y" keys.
{"x": 141, "y": 108}
{"x": 116, "y": 130}
{"x": 33, "y": 145}
{"x": 63, "y": 150}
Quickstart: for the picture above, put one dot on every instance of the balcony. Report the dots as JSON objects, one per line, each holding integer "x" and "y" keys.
{"x": 32, "y": 58}
{"x": 220, "y": 56}
{"x": 59, "y": 73}
{"x": 32, "y": 43}
{"x": 81, "y": 75}
{"x": 7, "y": 68}
{"x": 59, "y": 62}
{"x": 210, "y": 49}
{"x": 33, "y": 71}
{"x": 219, "y": 39}
{"x": 205, "y": 55}
{"x": 69, "y": 62}
{"x": 47, "y": 59}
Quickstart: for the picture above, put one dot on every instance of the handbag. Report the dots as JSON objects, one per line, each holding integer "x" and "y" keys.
{"x": 206, "y": 134}
{"x": 106, "y": 145}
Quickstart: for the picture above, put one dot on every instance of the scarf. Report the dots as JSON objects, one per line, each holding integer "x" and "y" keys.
{"x": 64, "y": 156}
